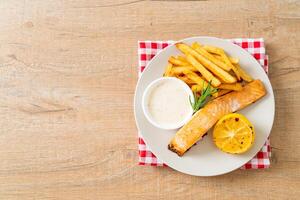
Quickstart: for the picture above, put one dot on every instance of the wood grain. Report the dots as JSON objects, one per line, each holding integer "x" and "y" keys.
{"x": 68, "y": 74}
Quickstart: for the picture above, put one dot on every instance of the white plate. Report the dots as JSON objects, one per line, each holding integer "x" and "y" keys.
{"x": 204, "y": 159}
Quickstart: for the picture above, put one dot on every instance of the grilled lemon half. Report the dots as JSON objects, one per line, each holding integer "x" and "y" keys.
{"x": 234, "y": 134}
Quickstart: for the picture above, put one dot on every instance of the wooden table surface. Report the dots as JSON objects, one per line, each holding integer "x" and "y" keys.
{"x": 67, "y": 80}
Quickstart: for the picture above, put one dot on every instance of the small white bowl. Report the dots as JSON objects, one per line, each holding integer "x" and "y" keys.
{"x": 145, "y": 101}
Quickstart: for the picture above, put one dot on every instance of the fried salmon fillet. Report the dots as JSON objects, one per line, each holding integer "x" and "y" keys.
{"x": 206, "y": 117}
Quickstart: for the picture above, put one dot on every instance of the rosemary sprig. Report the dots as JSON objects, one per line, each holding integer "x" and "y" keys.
{"x": 200, "y": 101}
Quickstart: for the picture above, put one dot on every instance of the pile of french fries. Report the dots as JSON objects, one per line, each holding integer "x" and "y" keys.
{"x": 201, "y": 64}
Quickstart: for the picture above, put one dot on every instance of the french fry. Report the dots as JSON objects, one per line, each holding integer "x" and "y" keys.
{"x": 189, "y": 57}
{"x": 244, "y": 74}
{"x": 195, "y": 78}
{"x": 195, "y": 45}
{"x": 212, "y": 49}
{"x": 211, "y": 58}
{"x": 186, "y": 49}
{"x": 223, "y": 75}
{"x": 205, "y": 73}
{"x": 199, "y": 88}
{"x": 221, "y": 93}
{"x": 180, "y": 69}
{"x": 196, "y": 88}
{"x": 225, "y": 58}
{"x": 218, "y": 53}
{"x": 168, "y": 71}
{"x": 235, "y": 86}
{"x": 186, "y": 80}
{"x": 232, "y": 60}
{"x": 182, "y": 58}
{"x": 233, "y": 67}
{"x": 204, "y": 57}
{"x": 176, "y": 61}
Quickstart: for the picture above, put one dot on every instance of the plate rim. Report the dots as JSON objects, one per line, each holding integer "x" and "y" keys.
{"x": 170, "y": 46}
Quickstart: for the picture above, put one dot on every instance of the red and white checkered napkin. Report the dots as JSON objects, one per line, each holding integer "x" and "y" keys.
{"x": 256, "y": 47}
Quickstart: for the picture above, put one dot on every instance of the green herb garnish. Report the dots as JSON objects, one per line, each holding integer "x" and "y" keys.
{"x": 201, "y": 100}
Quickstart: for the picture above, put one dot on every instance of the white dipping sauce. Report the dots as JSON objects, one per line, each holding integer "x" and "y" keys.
{"x": 168, "y": 103}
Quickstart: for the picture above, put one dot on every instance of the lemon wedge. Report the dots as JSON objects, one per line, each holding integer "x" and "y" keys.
{"x": 234, "y": 134}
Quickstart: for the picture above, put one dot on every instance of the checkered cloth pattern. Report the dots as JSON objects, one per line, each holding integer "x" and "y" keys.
{"x": 148, "y": 49}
